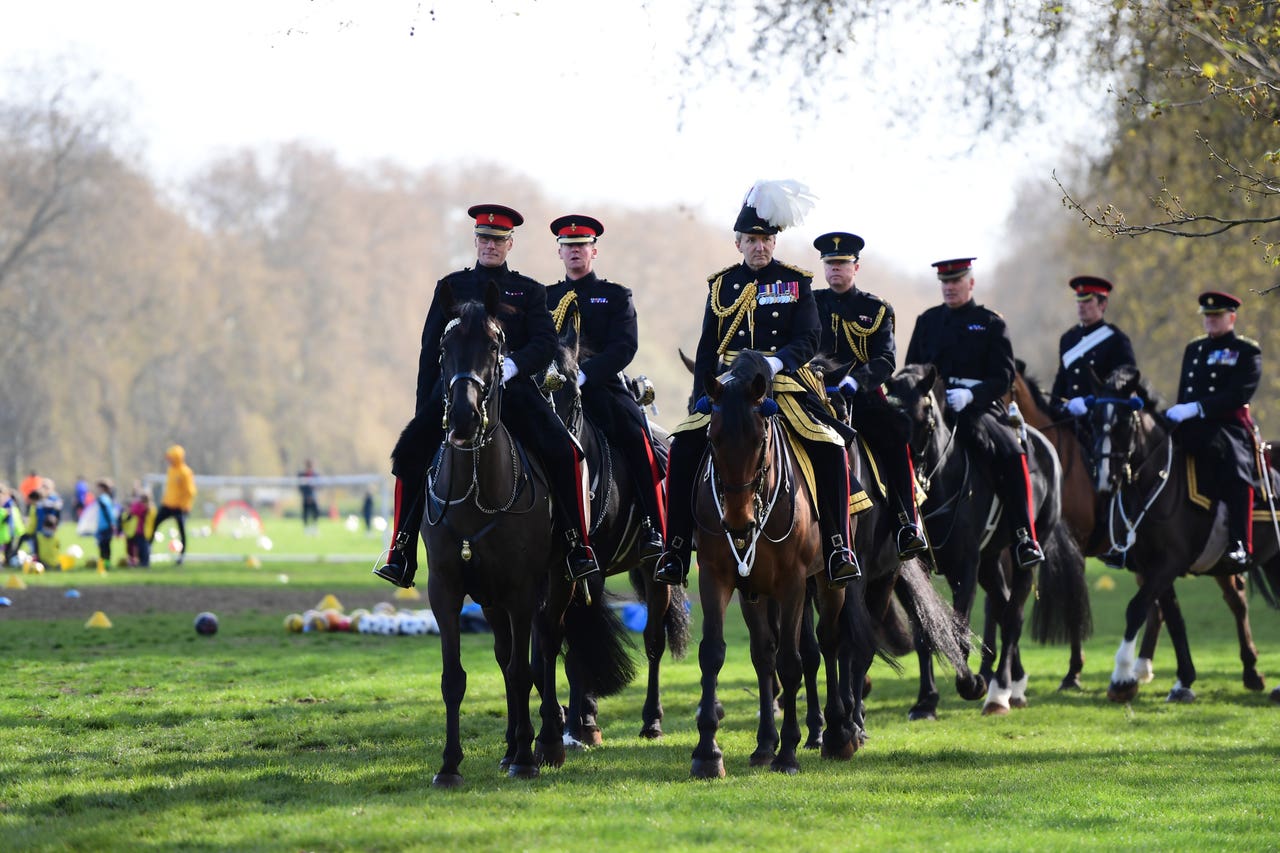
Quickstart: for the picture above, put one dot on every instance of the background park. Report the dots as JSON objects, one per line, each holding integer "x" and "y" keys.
{"x": 258, "y": 298}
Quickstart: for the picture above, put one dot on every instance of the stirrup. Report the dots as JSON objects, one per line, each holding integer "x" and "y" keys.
{"x": 842, "y": 567}
{"x": 581, "y": 562}
{"x": 910, "y": 541}
{"x": 670, "y": 569}
{"x": 1027, "y": 552}
{"x": 397, "y": 572}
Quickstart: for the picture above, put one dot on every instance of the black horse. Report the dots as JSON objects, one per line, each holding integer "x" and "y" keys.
{"x": 963, "y": 517}
{"x": 616, "y": 519}
{"x": 1143, "y": 476}
{"x": 487, "y": 530}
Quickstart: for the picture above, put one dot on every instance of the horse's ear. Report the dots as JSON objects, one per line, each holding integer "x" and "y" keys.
{"x": 931, "y": 377}
{"x": 569, "y": 335}
{"x": 837, "y": 373}
{"x": 759, "y": 387}
{"x": 444, "y": 294}
{"x": 492, "y": 298}
{"x": 688, "y": 362}
{"x": 712, "y": 386}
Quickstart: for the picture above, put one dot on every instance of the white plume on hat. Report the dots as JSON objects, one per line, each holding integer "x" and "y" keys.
{"x": 780, "y": 203}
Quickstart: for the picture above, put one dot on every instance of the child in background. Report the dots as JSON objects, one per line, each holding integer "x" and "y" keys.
{"x": 48, "y": 544}
{"x": 12, "y": 526}
{"x": 108, "y": 520}
{"x": 138, "y": 522}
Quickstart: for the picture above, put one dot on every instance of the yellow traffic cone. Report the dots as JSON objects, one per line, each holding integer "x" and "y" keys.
{"x": 330, "y": 602}
{"x": 98, "y": 620}
{"x": 411, "y": 593}
{"x": 15, "y": 582}
{"x": 67, "y": 562}
{"x": 252, "y": 562}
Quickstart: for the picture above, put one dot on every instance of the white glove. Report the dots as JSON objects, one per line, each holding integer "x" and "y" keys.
{"x": 509, "y": 370}
{"x": 582, "y": 379}
{"x": 1076, "y": 406}
{"x": 775, "y": 363}
{"x": 958, "y": 398}
{"x": 848, "y": 384}
{"x": 1182, "y": 411}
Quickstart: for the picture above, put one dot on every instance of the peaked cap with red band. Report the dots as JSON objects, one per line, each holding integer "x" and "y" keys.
{"x": 1217, "y": 302}
{"x": 1089, "y": 286}
{"x": 576, "y": 228}
{"x": 954, "y": 268}
{"x": 494, "y": 220}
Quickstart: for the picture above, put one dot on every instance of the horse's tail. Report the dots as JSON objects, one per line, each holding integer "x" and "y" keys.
{"x": 1061, "y": 612}
{"x": 600, "y": 644}
{"x": 676, "y": 621}
{"x": 866, "y": 635}
{"x": 942, "y": 628}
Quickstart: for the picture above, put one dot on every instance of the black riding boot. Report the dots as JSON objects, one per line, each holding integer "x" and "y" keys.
{"x": 1016, "y": 493}
{"x": 682, "y": 468}
{"x": 402, "y": 560}
{"x": 833, "y": 513}
{"x": 649, "y": 544}
{"x": 910, "y": 539}
{"x": 1239, "y": 519}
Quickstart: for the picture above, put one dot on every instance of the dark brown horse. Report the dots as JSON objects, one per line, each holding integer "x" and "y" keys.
{"x": 616, "y": 517}
{"x": 487, "y": 530}
{"x": 1141, "y": 474}
{"x": 967, "y": 537}
{"x": 757, "y": 534}
{"x": 1080, "y": 511}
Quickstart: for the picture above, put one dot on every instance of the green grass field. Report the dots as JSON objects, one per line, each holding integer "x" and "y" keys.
{"x": 149, "y": 736}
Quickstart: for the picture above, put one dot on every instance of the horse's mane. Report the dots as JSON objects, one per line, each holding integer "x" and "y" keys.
{"x": 1128, "y": 380}
{"x": 468, "y": 312}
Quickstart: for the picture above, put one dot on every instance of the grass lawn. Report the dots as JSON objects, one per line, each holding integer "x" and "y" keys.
{"x": 149, "y": 736}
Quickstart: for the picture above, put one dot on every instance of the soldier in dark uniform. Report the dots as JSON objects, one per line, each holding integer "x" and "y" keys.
{"x": 1220, "y": 373}
{"x": 1093, "y": 346}
{"x": 970, "y": 347}
{"x": 606, "y": 321}
{"x": 858, "y": 327}
{"x": 531, "y": 343}
{"x": 767, "y": 306}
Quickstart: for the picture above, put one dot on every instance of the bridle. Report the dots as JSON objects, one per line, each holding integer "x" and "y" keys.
{"x": 490, "y": 392}
{"x": 1119, "y": 476}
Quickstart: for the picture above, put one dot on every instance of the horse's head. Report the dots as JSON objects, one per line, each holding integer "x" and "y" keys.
{"x": 740, "y": 409}
{"x": 471, "y": 353}
{"x": 561, "y": 379}
{"x": 919, "y": 391}
{"x": 1115, "y": 412}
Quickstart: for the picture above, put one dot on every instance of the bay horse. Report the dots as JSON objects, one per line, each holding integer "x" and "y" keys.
{"x": 616, "y": 518}
{"x": 1080, "y": 511}
{"x": 757, "y": 534}
{"x": 1142, "y": 476}
{"x": 487, "y": 531}
{"x": 963, "y": 517}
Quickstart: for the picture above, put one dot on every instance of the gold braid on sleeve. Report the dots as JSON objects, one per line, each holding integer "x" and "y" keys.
{"x": 743, "y": 306}
{"x": 856, "y": 335}
{"x": 568, "y": 301}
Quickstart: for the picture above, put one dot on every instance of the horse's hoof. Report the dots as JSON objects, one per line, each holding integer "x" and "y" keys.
{"x": 1185, "y": 695}
{"x": 841, "y": 752}
{"x": 1122, "y": 691}
{"x": 917, "y": 714}
{"x": 707, "y": 768}
{"x": 572, "y": 744}
{"x": 995, "y": 709}
{"x": 651, "y": 731}
{"x": 791, "y": 768}
{"x": 760, "y": 758}
{"x": 523, "y": 771}
{"x": 549, "y": 756}
{"x": 972, "y": 688}
{"x": 1017, "y": 701}
{"x": 447, "y": 780}
{"x": 1275, "y": 695}
{"x": 814, "y": 741}
{"x": 1254, "y": 681}
{"x": 1143, "y": 671}
{"x": 505, "y": 762}
{"x": 1070, "y": 682}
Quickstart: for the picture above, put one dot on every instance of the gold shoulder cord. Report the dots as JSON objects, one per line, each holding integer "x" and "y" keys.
{"x": 856, "y": 335}
{"x": 569, "y": 300}
{"x": 744, "y": 305}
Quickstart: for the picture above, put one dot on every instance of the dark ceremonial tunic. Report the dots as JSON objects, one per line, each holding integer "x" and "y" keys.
{"x": 1100, "y": 348}
{"x": 607, "y": 326}
{"x": 858, "y": 327}
{"x": 1221, "y": 374}
{"x": 970, "y": 347}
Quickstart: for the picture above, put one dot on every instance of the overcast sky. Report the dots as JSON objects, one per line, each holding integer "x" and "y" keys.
{"x": 581, "y": 97}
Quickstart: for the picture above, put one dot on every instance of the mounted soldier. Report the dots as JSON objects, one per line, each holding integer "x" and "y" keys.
{"x": 530, "y": 343}
{"x": 1093, "y": 347}
{"x": 969, "y": 345}
{"x": 1220, "y": 373}
{"x": 605, "y": 318}
{"x": 858, "y": 328}
{"x": 765, "y": 305}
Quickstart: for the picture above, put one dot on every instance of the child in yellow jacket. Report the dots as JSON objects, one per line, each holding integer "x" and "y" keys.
{"x": 179, "y": 495}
